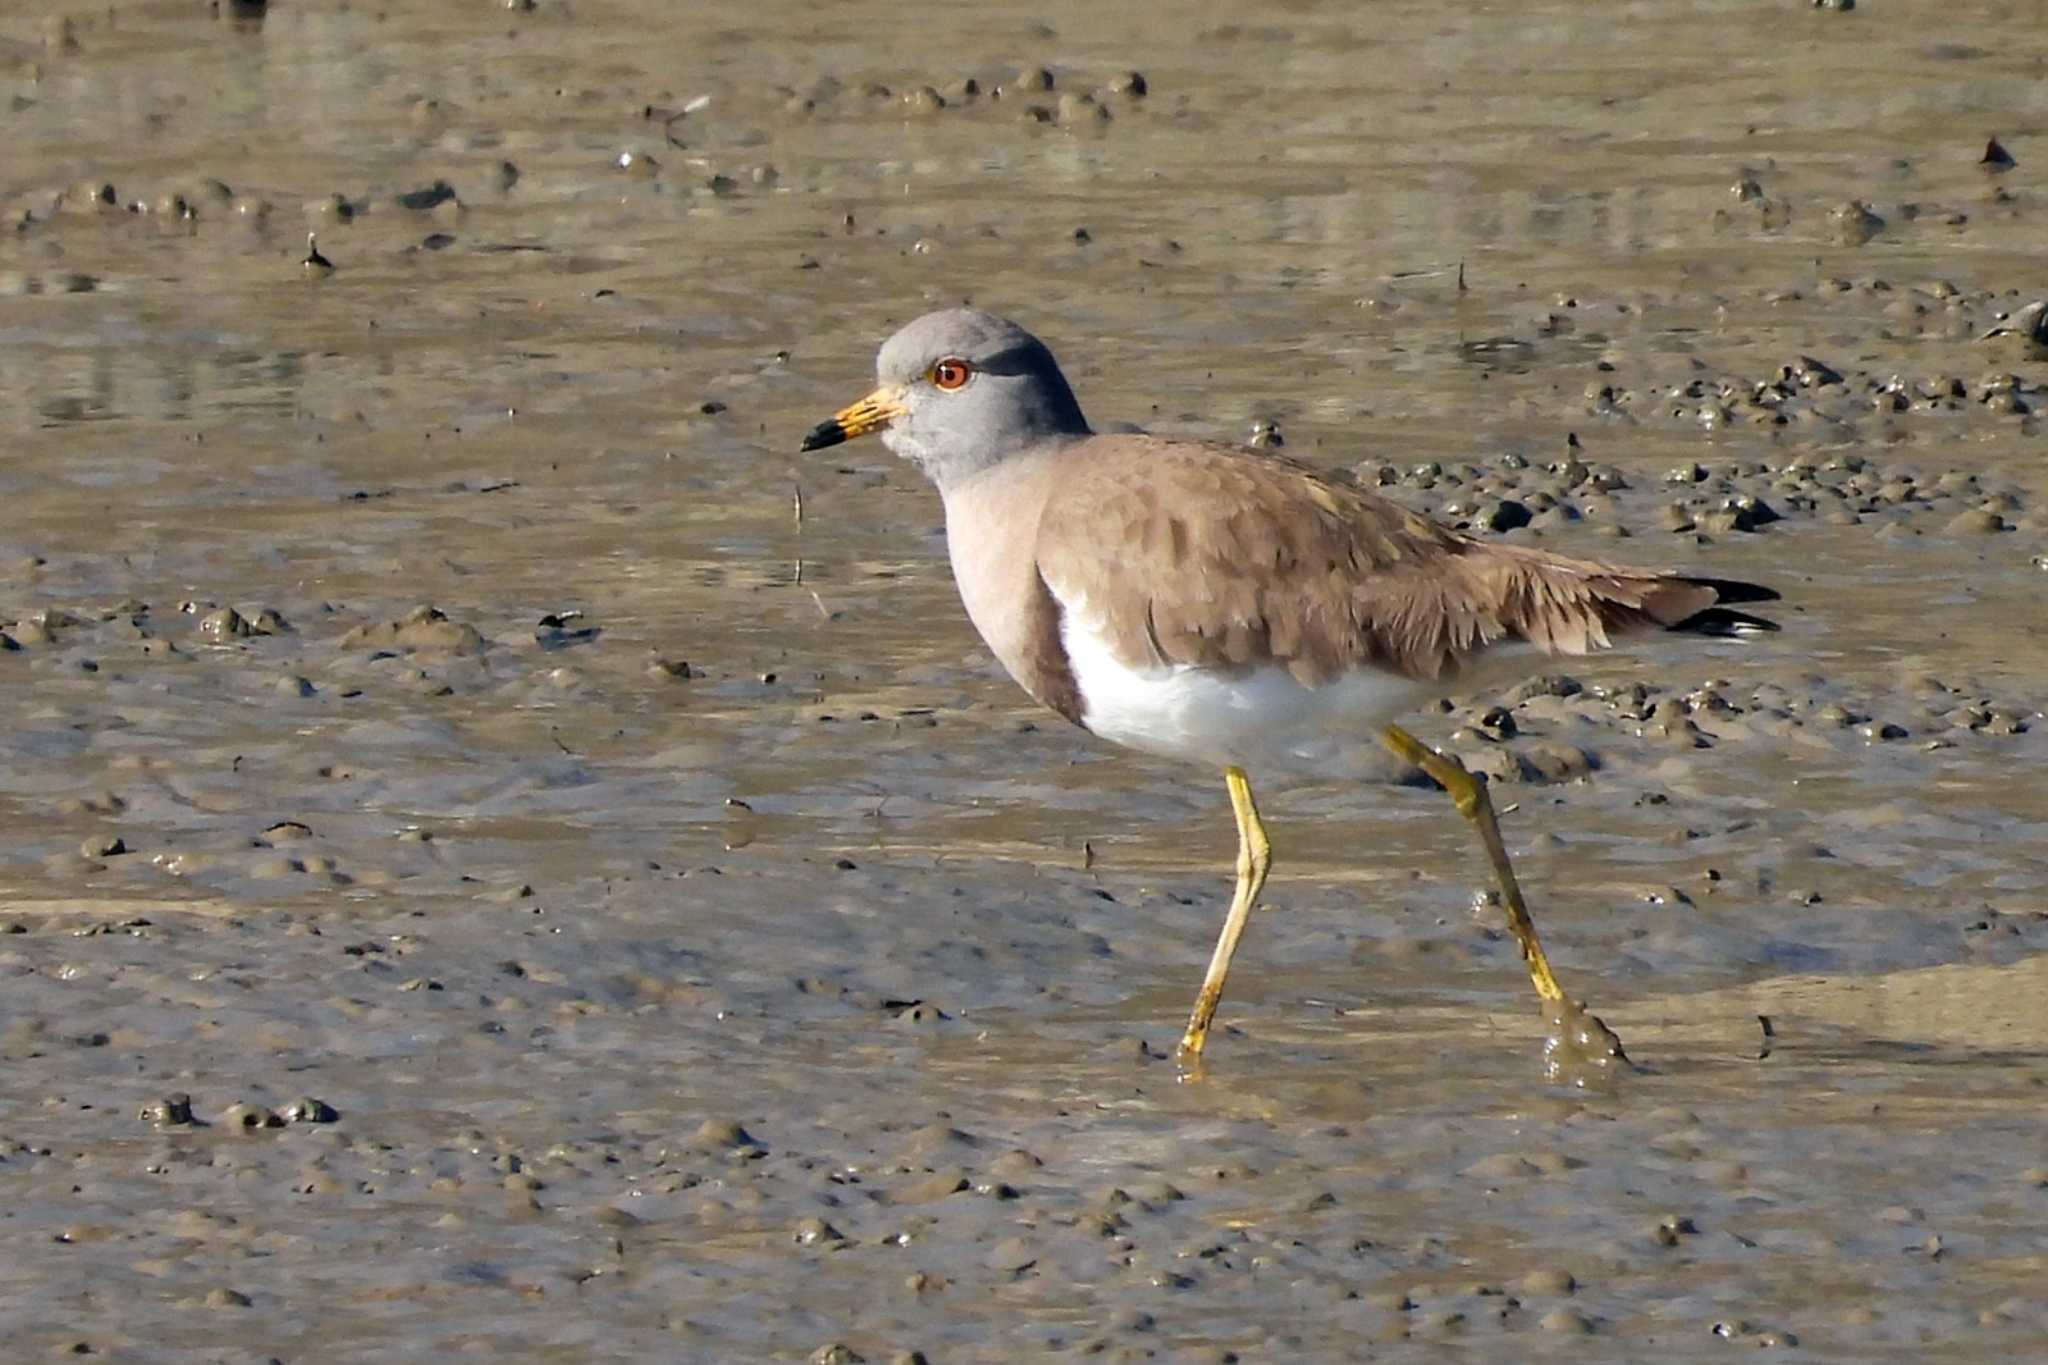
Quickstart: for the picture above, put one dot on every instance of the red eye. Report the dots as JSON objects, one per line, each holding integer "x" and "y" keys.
{"x": 951, "y": 374}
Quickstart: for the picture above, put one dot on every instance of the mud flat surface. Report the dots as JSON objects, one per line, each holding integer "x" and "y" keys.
{"x": 477, "y": 882}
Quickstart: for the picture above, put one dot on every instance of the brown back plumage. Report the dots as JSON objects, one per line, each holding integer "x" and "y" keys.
{"x": 1223, "y": 557}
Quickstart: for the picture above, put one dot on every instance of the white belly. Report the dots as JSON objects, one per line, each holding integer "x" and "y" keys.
{"x": 1262, "y": 719}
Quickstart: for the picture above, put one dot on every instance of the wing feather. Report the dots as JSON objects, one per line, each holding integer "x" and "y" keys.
{"x": 1218, "y": 556}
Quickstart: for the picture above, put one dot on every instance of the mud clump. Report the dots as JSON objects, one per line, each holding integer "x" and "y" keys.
{"x": 423, "y": 630}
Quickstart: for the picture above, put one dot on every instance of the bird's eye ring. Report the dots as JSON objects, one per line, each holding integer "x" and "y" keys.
{"x": 950, "y": 374}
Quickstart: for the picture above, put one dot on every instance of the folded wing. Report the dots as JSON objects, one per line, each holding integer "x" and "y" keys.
{"x": 1224, "y": 557}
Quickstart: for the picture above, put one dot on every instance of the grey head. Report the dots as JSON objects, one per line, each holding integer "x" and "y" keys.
{"x": 958, "y": 391}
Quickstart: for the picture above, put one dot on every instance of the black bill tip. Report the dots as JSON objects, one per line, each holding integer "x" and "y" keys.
{"x": 826, "y": 433}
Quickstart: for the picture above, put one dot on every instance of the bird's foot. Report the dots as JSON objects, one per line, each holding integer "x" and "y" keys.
{"x": 1580, "y": 1050}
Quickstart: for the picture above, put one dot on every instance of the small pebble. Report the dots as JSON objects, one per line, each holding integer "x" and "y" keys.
{"x": 1567, "y": 1321}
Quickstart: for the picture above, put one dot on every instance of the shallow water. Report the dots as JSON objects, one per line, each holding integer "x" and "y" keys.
{"x": 742, "y": 969}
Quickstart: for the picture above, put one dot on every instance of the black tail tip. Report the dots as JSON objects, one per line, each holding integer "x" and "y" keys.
{"x": 1718, "y": 621}
{"x": 1734, "y": 590}
{"x": 1724, "y": 624}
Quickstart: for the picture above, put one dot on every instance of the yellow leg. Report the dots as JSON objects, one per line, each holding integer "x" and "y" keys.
{"x": 1254, "y": 858}
{"x": 1469, "y": 791}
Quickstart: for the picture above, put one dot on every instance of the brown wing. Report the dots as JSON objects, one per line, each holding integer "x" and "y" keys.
{"x": 1223, "y": 556}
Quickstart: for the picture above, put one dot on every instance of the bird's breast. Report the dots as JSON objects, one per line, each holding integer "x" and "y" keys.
{"x": 995, "y": 568}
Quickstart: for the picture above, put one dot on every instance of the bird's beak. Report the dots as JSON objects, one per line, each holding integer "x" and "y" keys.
{"x": 878, "y": 409}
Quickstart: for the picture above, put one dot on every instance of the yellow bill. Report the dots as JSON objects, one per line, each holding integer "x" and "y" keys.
{"x": 878, "y": 409}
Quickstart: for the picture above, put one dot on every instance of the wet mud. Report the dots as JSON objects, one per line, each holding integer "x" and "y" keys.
{"x": 500, "y": 856}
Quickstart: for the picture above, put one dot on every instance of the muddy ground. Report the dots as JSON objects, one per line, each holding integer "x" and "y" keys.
{"x": 479, "y": 880}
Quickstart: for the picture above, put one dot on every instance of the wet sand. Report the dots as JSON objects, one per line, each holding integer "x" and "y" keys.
{"x": 479, "y": 880}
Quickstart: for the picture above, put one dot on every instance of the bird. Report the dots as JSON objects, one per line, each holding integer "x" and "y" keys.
{"x": 1235, "y": 607}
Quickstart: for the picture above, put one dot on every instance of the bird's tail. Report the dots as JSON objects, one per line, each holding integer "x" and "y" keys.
{"x": 1573, "y": 606}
